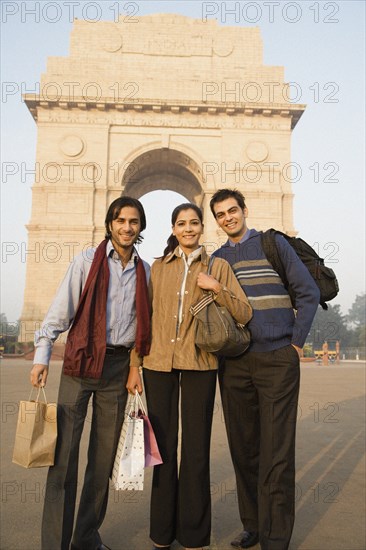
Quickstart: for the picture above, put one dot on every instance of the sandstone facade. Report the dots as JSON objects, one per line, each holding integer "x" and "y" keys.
{"x": 165, "y": 102}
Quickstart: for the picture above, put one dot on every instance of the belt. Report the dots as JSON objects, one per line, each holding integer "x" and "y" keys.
{"x": 112, "y": 350}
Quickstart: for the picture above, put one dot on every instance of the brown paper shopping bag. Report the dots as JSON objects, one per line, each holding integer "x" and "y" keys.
{"x": 36, "y": 433}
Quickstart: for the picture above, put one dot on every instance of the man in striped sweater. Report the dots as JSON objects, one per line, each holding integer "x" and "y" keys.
{"x": 260, "y": 388}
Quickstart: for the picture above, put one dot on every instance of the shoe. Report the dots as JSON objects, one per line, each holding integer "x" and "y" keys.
{"x": 246, "y": 539}
{"x": 161, "y": 547}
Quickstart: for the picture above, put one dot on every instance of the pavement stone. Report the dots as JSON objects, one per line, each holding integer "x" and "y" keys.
{"x": 330, "y": 459}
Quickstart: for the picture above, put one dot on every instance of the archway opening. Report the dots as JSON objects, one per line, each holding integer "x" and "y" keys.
{"x": 163, "y": 169}
{"x": 158, "y": 206}
{"x": 161, "y": 178}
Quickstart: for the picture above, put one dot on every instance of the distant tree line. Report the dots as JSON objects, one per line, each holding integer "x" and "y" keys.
{"x": 330, "y": 326}
{"x": 9, "y": 336}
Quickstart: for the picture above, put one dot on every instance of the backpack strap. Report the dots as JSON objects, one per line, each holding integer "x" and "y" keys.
{"x": 269, "y": 246}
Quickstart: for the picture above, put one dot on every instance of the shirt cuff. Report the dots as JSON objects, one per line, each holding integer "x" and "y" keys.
{"x": 43, "y": 352}
{"x": 225, "y": 289}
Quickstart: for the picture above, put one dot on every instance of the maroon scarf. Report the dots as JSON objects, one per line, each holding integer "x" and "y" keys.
{"x": 86, "y": 342}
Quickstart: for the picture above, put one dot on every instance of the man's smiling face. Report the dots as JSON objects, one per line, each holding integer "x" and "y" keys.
{"x": 231, "y": 218}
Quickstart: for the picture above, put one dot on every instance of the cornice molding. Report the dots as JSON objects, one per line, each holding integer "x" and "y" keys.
{"x": 33, "y": 102}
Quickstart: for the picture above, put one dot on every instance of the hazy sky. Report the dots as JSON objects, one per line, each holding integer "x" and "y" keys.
{"x": 320, "y": 44}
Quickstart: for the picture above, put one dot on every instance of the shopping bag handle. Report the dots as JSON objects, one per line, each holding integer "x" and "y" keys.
{"x": 37, "y": 396}
{"x": 140, "y": 402}
{"x": 136, "y": 404}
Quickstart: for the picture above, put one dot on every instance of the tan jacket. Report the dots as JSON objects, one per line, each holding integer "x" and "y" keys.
{"x": 173, "y": 347}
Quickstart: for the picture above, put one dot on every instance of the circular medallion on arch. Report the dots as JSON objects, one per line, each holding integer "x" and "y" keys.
{"x": 72, "y": 146}
{"x": 257, "y": 151}
{"x": 222, "y": 45}
{"x": 112, "y": 40}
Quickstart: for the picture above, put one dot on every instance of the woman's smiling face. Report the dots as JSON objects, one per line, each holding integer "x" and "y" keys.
{"x": 188, "y": 229}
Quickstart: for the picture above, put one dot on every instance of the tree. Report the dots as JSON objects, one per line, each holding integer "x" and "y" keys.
{"x": 3, "y": 326}
{"x": 361, "y": 336}
{"x": 357, "y": 313}
{"x": 330, "y": 326}
{"x": 8, "y": 333}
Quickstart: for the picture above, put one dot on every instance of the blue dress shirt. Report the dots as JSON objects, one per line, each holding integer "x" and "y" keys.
{"x": 121, "y": 303}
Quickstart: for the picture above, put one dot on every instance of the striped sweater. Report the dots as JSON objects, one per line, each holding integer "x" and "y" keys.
{"x": 274, "y": 323}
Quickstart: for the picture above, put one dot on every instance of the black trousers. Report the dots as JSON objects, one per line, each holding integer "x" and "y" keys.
{"x": 260, "y": 398}
{"x": 109, "y": 403}
{"x": 181, "y": 503}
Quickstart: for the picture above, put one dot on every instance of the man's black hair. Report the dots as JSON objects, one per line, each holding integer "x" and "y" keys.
{"x": 223, "y": 194}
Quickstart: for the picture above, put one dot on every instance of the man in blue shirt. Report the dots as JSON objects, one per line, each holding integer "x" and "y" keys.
{"x": 260, "y": 388}
{"x": 103, "y": 300}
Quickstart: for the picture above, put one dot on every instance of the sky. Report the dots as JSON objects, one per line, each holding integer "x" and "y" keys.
{"x": 321, "y": 46}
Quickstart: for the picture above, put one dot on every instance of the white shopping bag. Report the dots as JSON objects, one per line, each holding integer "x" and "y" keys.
{"x": 128, "y": 468}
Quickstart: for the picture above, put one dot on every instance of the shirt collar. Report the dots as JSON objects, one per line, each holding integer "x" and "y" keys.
{"x": 192, "y": 256}
{"x": 245, "y": 237}
{"x": 111, "y": 253}
{"x": 177, "y": 253}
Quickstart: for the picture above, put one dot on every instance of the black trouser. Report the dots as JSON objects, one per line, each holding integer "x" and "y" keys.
{"x": 260, "y": 398}
{"x": 109, "y": 402}
{"x": 181, "y": 504}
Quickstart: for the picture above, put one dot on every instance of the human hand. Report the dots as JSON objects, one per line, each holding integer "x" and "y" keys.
{"x": 38, "y": 375}
{"x": 134, "y": 381}
{"x": 208, "y": 282}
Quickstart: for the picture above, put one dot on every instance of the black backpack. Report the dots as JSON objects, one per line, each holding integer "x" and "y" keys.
{"x": 323, "y": 276}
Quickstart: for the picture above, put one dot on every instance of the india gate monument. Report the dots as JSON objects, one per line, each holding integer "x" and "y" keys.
{"x": 164, "y": 102}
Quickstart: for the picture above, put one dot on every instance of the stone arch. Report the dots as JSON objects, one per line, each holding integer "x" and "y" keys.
{"x": 154, "y": 133}
{"x": 159, "y": 168}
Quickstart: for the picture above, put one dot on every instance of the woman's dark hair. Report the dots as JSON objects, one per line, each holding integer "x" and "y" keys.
{"x": 223, "y": 194}
{"x": 115, "y": 208}
{"x": 172, "y": 242}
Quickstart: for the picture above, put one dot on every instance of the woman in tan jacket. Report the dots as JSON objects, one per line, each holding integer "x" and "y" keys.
{"x": 175, "y": 367}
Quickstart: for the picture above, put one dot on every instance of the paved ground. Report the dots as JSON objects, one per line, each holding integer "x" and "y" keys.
{"x": 330, "y": 470}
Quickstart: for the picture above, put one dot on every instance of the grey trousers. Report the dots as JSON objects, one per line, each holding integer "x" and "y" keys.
{"x": 109, "y": 401}
{"x": 260, "y": 397}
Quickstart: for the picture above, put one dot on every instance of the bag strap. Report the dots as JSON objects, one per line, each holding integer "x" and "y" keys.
{"x": 136, "y": 404}
{"x": 140, "y": 403}
{"x": 207, "y": 299}
{"x": 208, "y": 296}
{"x": 210, "y": 264}
{"x": 38, "y": 392}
